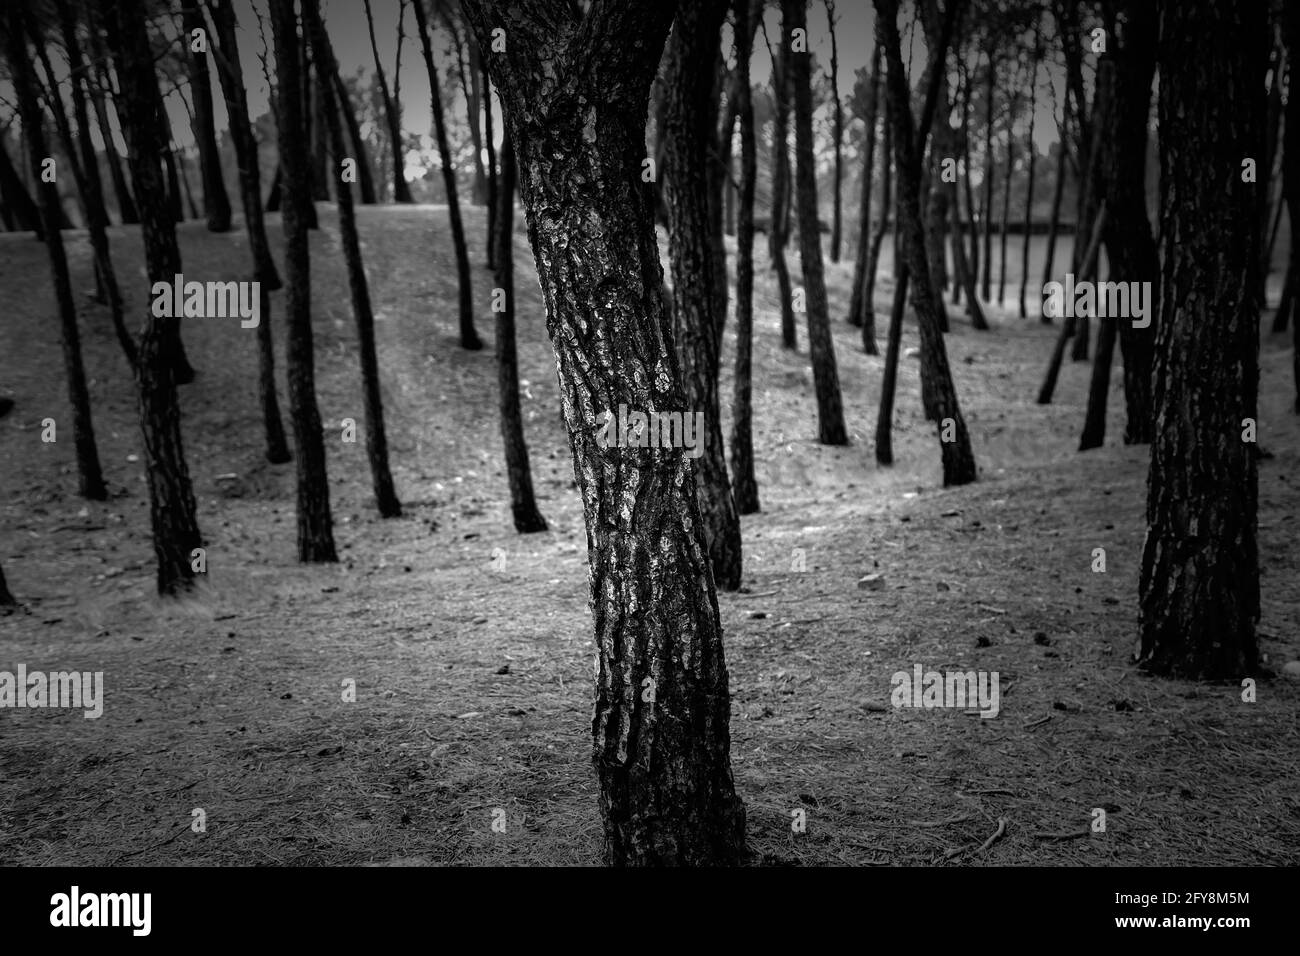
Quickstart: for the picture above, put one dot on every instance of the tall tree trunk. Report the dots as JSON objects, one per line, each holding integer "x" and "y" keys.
{"x": 365, "y": 175}
{"x": 216, "y": 204}
{"x": 859, "y": 307}
{"x": 315, "y": 526}
{"x": 470, "y": 89}
{"x": 1054, "y": 223}
{"x": 1291, "y": 180}
{"x": 909, "y": 146}
{"x": 126, "y": 208}
{"x": 1199, "y": 581}
{"x": 986, "y": 279}
{"x": 171, "y": 497}
{"x": 1069, "y": 325}
{"x": 660, "y": 722}
{"x": 489, "y": 135}
{"x": 692, "y": 51}
{"x": 873, "y": 263}
{"x": 1006, "y": 206}
{"x": 381, "y": 477}
{"x": 523, "y": 503}
{"x": 777, "y": 222}
{"x": 230, "y": 74}
{"x": 744, "y": 484}
{"x": 837, "y": 133}
{"x": 469, "y": 338}
{"x": 1031, "y": 155}
{"x": 889, "y": 380}
{"x": 821, "y": 348}
{"x": 91, "y": 476}
{"x": 401, "y": 191}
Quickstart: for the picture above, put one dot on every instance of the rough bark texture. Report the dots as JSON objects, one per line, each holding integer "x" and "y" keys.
{"x": 821, "y": 348}
{"x": 1130, "y": 248}
{"x": 958, "y": 460}
{"x": 744, "y": 484}
{"x": 469, "y": 338}
{"x": 90, "y": 475}
{"x": 575, "y": 95}
{"x": 401, "y": 191}
{"x": 381, "y": 477}
{"x": 315, "y": 526}
{"x": 489, "y": 134}
{"x": 689, "y": 126}
{"x": 216, "y": 203}
{"x": 523, "y": 503}
{"x": 837, "y": 133}
{"x": 778, "y": 222}
{"x": 231, "y": 76}
{"x": 1199, "y": 582}
{"x": 171, "y": 497}
{"x": 1291, "y": 175}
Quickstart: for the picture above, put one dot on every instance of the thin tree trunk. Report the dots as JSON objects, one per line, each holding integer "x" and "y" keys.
{"x": 837, "y": 133}
{"x": 889, "y": 380}
{"x": 401, "y": 191}
{"x": 692, "y": 51}
{"x": 743, "y": 482}
{"x": 489, "y": 135}
{"x": 126, "y": 208}
{"x": 1199, "y": 582}
{"x": 171, "y": 498}
{"x": 91, "y": 476}
{"x": 1031, "y": 155}
{"x": 859, "y": 307}
{"x": 1006, "y": 207}
{"x": 315, "y": 526}
{"x": 1054, "y": 223}
{"x": 986, "y": 280}
{"x": 1070, "y": 324}
{"x": 821, "y": 347}
{"x": 469, "y": 338}
{"x": 216, "y": 203}
{"x": 777, "y": 222}
{"x": 661, "y": 715}
{"x": 873, "y": 262}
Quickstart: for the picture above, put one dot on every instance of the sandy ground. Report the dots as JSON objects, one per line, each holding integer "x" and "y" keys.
{"x": 473, "y": 673}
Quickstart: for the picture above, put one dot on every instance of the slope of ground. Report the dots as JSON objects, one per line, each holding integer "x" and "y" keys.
{"x": 470, "y": 646}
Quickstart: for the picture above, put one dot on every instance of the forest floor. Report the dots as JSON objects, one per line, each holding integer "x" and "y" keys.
{"x": 471, "y": 646}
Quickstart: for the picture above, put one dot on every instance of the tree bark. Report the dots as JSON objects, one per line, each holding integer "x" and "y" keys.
{"x": 401, "y": 191}
{"x": 958, "y": 460}
{"x": 689, "y": 124}
{"x": 171, "y": 497}
{"x": 986, "y": 279}
{"x": 225, "y": 52}
{"x": 777, "y": 223}
{"x": 469, "y": 338}
{"x": 821, "y": 347}
{"x": 90, "y": 474}
{"x": 859, "y": 308}
{"x": 1291, "y": 180}
{"x": 873, "y": 263}
{"x": 489, "y": 135}
{"x": 1054, "y": 223}
{"x": 315, "y": 526}
{"x": 1006, "y": 205}
{"x": 837, "y": 132}
{"x": 381, "y": 477}
{"x": 216, "y": 203}
{"x": 660, "y": 722}
{"x": 889, "y": 380}
{"x": 1031, "y": 155}
{"x": 1199, "y": 582}
{"x": 743, "y": 482}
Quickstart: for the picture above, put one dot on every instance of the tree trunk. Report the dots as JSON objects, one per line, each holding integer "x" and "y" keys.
{"x": 821, "y": 348}
{"x": 986, "y": 280}
{"x": 958, "y": 460}
{"x": 91, "y": 476}
{"x": 489, "y": 134}
{"x": 230, "y": 74}
{"x": 661, "y": 715}
{"x": 401, "y": 191}
{"x": 381, "y": 477}
{"x": 859, "y": 307}
{"x": 171, "y": 497}
{"x": 1199, "y": 582}
{"x": 873, "y": 263}
{"x": 126, "y": 208}
{"x": 7, "y": 599}
{"x": 1070, "y": 324}
{"x": 216, "y": 204}
{"x": 469, "y": 338}
{"x": 16, "y": 198}
{"x": 1006, "y": 208}
{"x": 692, "y": 51}
{"x": 1054, "y": 223}
{"x": 837, "y": 133}
{"x": 1291, "y": 185}
{"x": 1031, "y": 155}
{"x": 743, "y": 482}
{"x": 478, "y": 192}
{"x": 315, "y": 526}
{"x": 777, "y": 223}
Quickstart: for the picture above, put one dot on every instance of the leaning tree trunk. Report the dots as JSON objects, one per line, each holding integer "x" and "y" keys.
{"x": 230, "y": 74}
{"x": 171, "y": 497}
{"x": 877, "y": 241}
{"x": 401, "y": 191}
{"x": 216, "y": 204}
{"x": 821, "y": 348}
{"x": 469, "y": 338}
{"x": 1054, "y": 223}
{"x": 91, "y": 476}
{"x": 126, "y": 208}
{"x": 744, "y": 484}
{"x": 315, "y": 526}
{"x": 1199, "y": 582}
{"x": 661, "y": 714}
{"x": 889, "y": 380}
{"x": 523, "y": 503}
{"x": 381, "y": 477}
{"x": 777, "y": 220}
{"x": 689, "y": 125}
{"x": 859, "y": 308}
{"x": 954, "y": 440}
